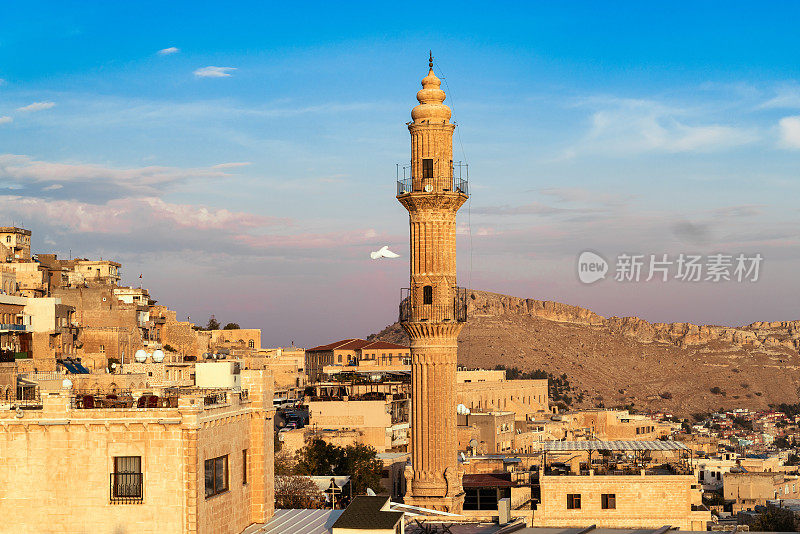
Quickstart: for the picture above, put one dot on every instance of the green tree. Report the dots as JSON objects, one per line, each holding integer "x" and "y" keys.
{"x": 775, "y": 519}
{"x": 212, "y": 324}
{"x": 232, "y": 326}
{"x": 361, "y": 463}
{"x": 319, "y": 458}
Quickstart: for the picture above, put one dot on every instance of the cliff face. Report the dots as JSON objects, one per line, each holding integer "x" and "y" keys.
{"x": 619, "y": 360}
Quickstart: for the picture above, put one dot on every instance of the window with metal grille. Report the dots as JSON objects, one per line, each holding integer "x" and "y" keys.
{"x": 126, "y": 480}
{"x": 427, "y": 295}
{"x": 608, "y": 501}
{"x": 216, "y": 475}
{"x": 573, "y": 501}
{"x": 427, "y": 168}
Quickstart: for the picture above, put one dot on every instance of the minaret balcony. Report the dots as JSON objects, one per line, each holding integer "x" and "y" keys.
{"x": 457, "y": 181}
{"x": 443, "y": 311}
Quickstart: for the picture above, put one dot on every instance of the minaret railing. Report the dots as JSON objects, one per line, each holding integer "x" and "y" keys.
{"x": 457, "y": 181}
{"x": 449, "y": 312}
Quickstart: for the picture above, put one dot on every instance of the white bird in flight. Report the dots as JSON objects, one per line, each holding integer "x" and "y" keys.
{"x": 383, "y": 252}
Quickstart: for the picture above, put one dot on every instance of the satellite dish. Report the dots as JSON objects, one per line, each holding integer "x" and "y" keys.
{"x": 370, "y": 492}
{"x": 158, "y": 356}
{"x": 428, "y": 188}
{"x": 462, "y": 410}
{"x": 473, "y": 443}
{"x": 66, "y": 383}
{"x": 140, "y": 356}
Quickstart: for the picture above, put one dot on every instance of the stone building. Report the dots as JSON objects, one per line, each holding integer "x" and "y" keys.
{"x": 641, "y": 500}
{"x": 17, "y": 241}
{"x": 381, "y": 423}
{"x": 495, "y": 431}
{"x": 433, "y": 310}
{"x": 240, "y": 338}
{"x": 8, "y": 280}
{"x": 613, "y": 425}
{"x": 182, "y": 460}
{"x": 746, "y": 490}
{"x": 33, "y": 280}
{"x": 526, "y": 398}
{"x": 85, "y": 271}
{"x": 353, "y": 355}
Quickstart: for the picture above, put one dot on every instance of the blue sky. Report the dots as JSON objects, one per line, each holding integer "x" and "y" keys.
{"x": 249, "y": 171}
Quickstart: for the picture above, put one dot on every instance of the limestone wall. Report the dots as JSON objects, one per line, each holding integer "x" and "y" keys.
{"x": 648, "y": 501}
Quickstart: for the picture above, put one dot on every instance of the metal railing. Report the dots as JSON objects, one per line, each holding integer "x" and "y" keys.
{"x": 456, "y": 181}
{"x": 126, "y": 488}
{"x": 14, "y": 327}
{"x": 215, "y": 398}
{"x": 415, "y": 312}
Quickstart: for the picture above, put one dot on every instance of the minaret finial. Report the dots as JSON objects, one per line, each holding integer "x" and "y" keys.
{"x": 430, "y": 60}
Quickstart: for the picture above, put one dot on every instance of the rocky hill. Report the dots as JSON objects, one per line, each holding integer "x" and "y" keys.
{"x": 617, "y": 361}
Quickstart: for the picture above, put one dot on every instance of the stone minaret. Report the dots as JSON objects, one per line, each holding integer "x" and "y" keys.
{"x": 433, "y": 309}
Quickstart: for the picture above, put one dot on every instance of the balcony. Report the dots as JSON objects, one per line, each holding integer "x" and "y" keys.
{"x": 126, "y": 488}
{"x": 457, "y": 181}
{"x": 414, "y": 312}
{"x": 14, "y": 328}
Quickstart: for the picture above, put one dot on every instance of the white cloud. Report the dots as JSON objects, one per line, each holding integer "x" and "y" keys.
{"x": 129, "y": 214}
{"x": 231, "y": 165}
{"x": 37, "y": 106}
{"x": 790, "y": 132}
{"x": 785, "y": 97}
{"x": 103, "y": 180}
{"x": 628, "y": 126}
{"x": 214, "y": 72}
{"x": 168, "y": 51}
{"x": 5, "y": 120}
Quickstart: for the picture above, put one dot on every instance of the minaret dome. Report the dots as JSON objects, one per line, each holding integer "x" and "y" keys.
{"x": 431, "y": 106}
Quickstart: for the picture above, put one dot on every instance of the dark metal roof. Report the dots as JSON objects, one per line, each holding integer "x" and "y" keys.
{"x": 364, "y": 512}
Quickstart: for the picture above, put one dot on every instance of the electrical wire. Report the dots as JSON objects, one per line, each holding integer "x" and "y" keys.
{"x": 469, "y": 199}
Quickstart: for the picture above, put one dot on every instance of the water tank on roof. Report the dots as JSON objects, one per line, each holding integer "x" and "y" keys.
{"x": 140, "y": 356}
{"x": 158, "y": 356}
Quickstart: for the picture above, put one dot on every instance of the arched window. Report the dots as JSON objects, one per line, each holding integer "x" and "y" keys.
{"x": 427, "y": 295}
{"x": 251, "y": 344}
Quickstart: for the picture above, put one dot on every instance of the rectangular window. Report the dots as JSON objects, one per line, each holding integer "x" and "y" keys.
{"x": 244, "y": 466}
{"x": 608, "y": 501}
{"x": 126, "y": 480}
{"x": 573, "y": 501}
{"x": 216, "y": 476}
{"x": 102, "y": 348}
{"x": 427, "y": 168}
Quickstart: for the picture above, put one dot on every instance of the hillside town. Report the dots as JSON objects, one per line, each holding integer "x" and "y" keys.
{"x": 116, "y": 414}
